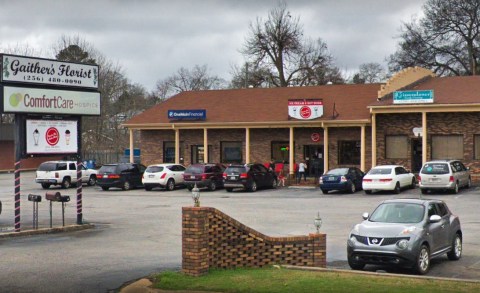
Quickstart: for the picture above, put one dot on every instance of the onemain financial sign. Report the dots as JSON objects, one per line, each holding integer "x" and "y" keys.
{"x": 46, "y": 71}
{"x": 413, "y": 97}
{"x": 187, "y": 114}
{"x": 46, "y": 101}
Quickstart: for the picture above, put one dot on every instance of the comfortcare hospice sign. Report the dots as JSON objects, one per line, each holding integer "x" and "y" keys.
{"x": 51, "y": 136}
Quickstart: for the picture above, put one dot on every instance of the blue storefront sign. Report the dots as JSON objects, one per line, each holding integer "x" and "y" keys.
{"x": 187, "y": 114}
{"x": 413, "y": 97}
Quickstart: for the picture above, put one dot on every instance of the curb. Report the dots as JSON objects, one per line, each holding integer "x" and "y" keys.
{"x": 69, "y": 228}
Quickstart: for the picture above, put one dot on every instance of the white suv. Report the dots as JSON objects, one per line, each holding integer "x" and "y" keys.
{"x": 63, "y": 173}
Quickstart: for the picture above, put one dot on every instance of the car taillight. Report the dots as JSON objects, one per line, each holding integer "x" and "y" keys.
{"x": 113, "y": 176}
{"x": 204, "y": 176}
{"x": 224, "y": 175}
{"x": 244, "y": 175}
{"x": 419, "y": 178}
{"x": 99, "y": 176}
{"x": 367, "y": 180}
{"x": 163, "y": 176}
{"x": 452, "y": 179}
{"x": 386, "y": 180}
{"x": 57, "y": 175}
{"x": 343, "y": 179}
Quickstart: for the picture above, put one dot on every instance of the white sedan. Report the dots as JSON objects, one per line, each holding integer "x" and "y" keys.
{"x": 163, "y": 175}
{"x": 388, "y": 177}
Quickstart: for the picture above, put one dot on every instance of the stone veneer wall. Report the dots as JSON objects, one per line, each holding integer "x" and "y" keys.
{"x": 212, "y": 239}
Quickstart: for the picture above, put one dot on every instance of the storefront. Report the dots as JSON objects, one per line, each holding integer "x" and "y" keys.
{"x": 412, "y": 118}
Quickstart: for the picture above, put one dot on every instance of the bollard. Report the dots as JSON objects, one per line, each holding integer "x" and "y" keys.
{"x": 35, "y": 199}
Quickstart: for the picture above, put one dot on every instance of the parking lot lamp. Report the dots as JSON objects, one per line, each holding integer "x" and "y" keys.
{"x": 318, "y": 222}
{"x": 196, "y": 196}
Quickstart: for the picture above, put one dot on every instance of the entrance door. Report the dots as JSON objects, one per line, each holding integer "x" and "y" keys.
{"x": 416, "y": 154}
{"x": 313, "y": 155}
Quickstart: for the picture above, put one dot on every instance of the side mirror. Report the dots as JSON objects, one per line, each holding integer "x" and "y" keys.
{"x": 365, "y": 216}
{"x": 435, "y": 218}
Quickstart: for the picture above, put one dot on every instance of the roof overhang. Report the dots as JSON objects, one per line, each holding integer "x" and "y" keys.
{"x": 391, "y": 109}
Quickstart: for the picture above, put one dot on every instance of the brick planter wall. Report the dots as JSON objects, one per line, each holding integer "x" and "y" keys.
{"x": 212, "y": 239}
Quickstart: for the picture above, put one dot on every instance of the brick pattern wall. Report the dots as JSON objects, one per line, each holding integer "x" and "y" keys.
{"x": 212, "y": 239}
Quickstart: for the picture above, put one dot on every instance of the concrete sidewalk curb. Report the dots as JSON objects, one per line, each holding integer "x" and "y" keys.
{"x": 69, "y": 228}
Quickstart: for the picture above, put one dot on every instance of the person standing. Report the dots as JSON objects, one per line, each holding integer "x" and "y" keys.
{"x": 302, "y": 167}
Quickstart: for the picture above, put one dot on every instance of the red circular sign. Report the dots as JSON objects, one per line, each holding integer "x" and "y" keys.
{"x": 315, "y": 137}
{"x": 52, "y": 136}
{"x": 305, "y": 112}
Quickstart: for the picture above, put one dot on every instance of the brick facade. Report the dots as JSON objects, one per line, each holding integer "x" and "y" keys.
{"x": 212, "y": 239}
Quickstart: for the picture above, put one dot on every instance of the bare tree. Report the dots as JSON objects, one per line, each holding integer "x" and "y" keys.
{"x": 446, "y": 40}
{"x": 278, "y": 45}
{"x": 249, "y": 75}
{"x": 370, "y": 73}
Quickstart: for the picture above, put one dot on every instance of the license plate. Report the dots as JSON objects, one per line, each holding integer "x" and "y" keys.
{"x": 232, "y": 177}
{"x": 434, "y": 179}
{"x": 192, "y": 177}
{"x": 151, "y": 176}
{"x": 331, "y": 178}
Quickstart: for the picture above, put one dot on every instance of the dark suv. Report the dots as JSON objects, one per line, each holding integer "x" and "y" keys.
{"x": 249, "y": 177}
{"x": 122, "y": 175}
{"x": 204, "y": 175}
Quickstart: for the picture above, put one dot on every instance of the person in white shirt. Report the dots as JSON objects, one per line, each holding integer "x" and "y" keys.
{"x": 301, "y": 172}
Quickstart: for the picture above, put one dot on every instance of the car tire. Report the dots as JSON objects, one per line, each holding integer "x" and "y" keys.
{"x": 275, "y": 183}
{"x": 104, "y": 188}
{"x": 45, "y": 185}
{"x": 1, "y": 207}
{"x": 397, "y": 190}
{"x": 66, "y": 183}
{"x": 325, "y": 191}
{"x": 148, "y": 188}
{"x": 352, "y": 188}
{"x": 126, "y": 185}
{"x": 455, "y": 188}
{"x": 469, "y": 183}
{"x": 229, "y": 189}
{"x": 368, "y": 191}
{"x": 422, "y": 264}
{"x": 424, "y": 191}
{"x": 357, "y": 266}
{"x": 456, "y": 252}
{"x": 414, "y": 182}
{"x": 253, "y": 187}
{"x": 212, "y": 186}
{"x": 170, "y": 184}
{"x": 92, "y": 180}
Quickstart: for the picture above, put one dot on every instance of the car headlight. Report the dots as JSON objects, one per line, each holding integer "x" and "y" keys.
{"x": 402, "y": 244}
{"x": 351, "y": 241}
{"x": 409, "y": 230}
{"x": 355, "y": 229}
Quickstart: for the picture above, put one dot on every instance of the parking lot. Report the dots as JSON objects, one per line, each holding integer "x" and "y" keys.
{"x": 138, "y": 232}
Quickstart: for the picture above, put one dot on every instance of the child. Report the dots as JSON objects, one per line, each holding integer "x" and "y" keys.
{"x": 281, "y": 178}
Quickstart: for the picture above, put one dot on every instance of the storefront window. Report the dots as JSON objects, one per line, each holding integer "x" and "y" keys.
{"x": 396, "y": 147}
{"x": 477, "y": 146}
{"x": 280, "y": 151}
{"x": 198, "y": 154}
{"x": 447, "y": 147}
{"x": 169, "y": 152}
{"x": 231, "y": 151}
{"x": 348, "y": 152}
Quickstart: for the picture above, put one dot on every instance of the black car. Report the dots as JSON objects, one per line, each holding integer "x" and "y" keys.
{"x": 342, "y": 179}
{"x": 122, "y": 175}
{"x": 249, "y": 177}
{"x": 204, "y": 176}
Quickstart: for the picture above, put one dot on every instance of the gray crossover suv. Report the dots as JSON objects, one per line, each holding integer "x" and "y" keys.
{"x": 405, "y": 233}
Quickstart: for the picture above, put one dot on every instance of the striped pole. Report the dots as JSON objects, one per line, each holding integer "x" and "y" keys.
{"x": 79, "y": 192}
{"x": 17, "y": 196}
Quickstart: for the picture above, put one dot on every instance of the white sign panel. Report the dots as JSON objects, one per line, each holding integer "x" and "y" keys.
{"x": 305, "y": 109}
{"x": 30, "y": 100}
{"x": 44, "y": 71}
{"x": 51, "y": 136}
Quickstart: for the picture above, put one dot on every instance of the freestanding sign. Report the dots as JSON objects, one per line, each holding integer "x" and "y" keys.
{"x": 51, "y": 136}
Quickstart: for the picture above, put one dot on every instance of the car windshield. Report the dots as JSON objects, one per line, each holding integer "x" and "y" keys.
{"x": 154, "y": 169}
{"x": 398, "y": 213}
{"x": 194, "y": 169}
{"x": 47, "y": 167}
{"x": 339, "y": 171}
{"x": 435, "y": 168}
{"x": 380, "y": 171}
{"x": 236, "y": 169}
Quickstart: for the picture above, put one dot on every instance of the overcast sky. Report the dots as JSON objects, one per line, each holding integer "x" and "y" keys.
{"x": 151, "y": 39}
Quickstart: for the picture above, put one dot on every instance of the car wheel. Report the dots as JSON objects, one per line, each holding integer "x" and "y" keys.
{"x": 275, "y": 183}
{"x": 368, "y": 191}
{"x": 66, "y": 183}
{"x": 170, "y": 184}
{"x": 355, "y": 265}
{"x": 352, "y": 188}
{"x": 212, "y": 186}
{"x": 396, "y": 190}
{"x": 104, "y": 188}
{"x": 455, "y": 188}
{"x": 253, "y": 187}
{"x": 414, "y": 182}
{"x": 325, "y": 191}
{"x": 424, "y": 191}
{"x": 148, "y": 188}
{"x": 0, "y": 207}
{"x": 92, "y": 180}
{"x": 423, "y": 260}
{"x": 456, "y": 251}
{"x": 229, "y": 189}
{"x": 126, "y": 185}
{"x": 45, "y": 185}
{"x": 469, "y": 183}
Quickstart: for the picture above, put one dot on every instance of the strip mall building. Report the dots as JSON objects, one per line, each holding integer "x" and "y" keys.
{"x": 413, "y": 118}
